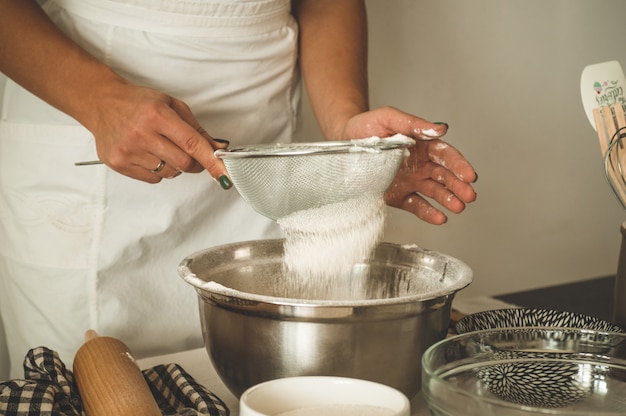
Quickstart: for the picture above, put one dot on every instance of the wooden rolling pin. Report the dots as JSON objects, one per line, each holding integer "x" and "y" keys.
{"x": 109, "y": 381}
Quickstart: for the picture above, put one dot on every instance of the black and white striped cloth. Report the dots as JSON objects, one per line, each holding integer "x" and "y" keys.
{"x": 48, "y": 389}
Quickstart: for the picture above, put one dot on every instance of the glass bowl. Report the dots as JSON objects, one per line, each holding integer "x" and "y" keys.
{"x": 527, "y": 370}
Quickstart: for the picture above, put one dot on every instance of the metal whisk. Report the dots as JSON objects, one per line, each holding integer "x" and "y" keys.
{"x": 611, "y": 128}
{"x": 613, "y": 169}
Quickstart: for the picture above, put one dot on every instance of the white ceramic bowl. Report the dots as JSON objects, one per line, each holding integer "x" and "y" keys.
{"x": 321, "y": 395}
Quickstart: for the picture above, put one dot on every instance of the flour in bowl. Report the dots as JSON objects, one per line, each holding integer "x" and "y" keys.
{"x": 323, "y": 244}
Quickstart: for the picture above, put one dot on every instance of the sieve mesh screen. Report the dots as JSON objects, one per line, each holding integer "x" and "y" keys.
{"x": 278, "y": 180}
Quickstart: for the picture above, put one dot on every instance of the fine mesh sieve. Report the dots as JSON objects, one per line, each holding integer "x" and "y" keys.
{"x": 279, "y": 179}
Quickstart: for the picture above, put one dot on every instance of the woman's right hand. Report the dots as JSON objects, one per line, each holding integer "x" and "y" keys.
{"x": 136, "y": 128}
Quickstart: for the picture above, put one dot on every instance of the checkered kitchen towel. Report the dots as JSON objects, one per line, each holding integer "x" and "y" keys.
{"x": 49, "y": 390}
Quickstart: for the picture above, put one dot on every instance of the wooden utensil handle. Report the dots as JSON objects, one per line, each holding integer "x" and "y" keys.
{"x": 109, "y": 381}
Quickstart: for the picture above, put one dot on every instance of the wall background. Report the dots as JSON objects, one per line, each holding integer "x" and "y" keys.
{"x": 505, "y": 75}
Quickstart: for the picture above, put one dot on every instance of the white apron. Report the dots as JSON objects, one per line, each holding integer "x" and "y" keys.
{"x": 85, "y": 247}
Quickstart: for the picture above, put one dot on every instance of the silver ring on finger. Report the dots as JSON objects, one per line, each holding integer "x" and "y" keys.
{"x": 159, "y": 167}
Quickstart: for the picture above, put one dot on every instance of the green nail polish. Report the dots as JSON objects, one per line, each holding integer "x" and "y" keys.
{"x": 441, "y": 123}
{"x": 225, "y": 182}
{"x": 222, "y": 141}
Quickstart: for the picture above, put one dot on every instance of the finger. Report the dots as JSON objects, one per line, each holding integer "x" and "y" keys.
{"x": 156, "y": 147}
{"x": 462, "y": 190}
{"x": 442, "y": 195}
{"x": 450, "y": 158}
{"x": 140, "y": 173}
{"x": 167, "y": 149}
{"x": 413, "y": 126}
{"x": 147, "y": 168}
{"x": 133, "y": 166}
{"x": 149, "y": 162}
{"x": 216, "y": 143}
{"x": 165, "y": 170}
{"x": 196, "y": 144}
{"x": 159, "y": 167}
{"x": 177, "y": 160}
{"x": 423, "y": 209}
{"x": 428, "y": 131}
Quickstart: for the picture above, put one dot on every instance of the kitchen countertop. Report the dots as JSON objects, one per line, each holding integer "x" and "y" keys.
{"x": 592, "y": 297}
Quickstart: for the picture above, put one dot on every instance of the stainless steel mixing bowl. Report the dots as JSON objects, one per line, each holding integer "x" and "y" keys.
{"x": 252, "y": 335}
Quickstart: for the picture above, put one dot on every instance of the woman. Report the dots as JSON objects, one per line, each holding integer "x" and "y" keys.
{"x": 146, "y": 86}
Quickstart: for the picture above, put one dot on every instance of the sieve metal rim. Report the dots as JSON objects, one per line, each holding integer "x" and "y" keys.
{"x": 315, "y": 148}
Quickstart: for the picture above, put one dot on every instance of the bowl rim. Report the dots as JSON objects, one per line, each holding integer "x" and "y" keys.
{"x": 365, "y": 145}
{"x": 507, "y": 311}
{"x": 401, "y": 404}
{"x": 427, "y": 371}
{"x": 204, "y": 287}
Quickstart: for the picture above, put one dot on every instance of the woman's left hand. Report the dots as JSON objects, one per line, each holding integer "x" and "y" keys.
{"x": 433, "y": 171}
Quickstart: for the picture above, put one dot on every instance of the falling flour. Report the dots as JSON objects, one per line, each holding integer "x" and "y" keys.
{"x": 323, "y": 245}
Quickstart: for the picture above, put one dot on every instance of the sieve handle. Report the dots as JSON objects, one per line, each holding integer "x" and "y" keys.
{"x": 88, "y": 163}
